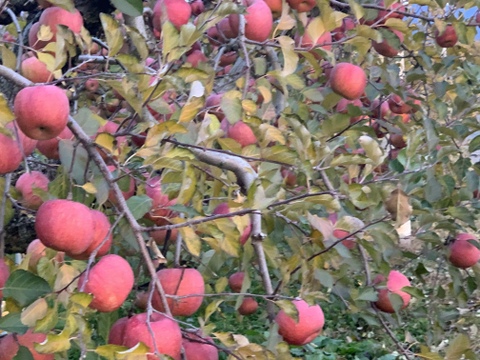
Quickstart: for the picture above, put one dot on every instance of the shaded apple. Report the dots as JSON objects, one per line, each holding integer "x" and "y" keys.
{"x": 462, "y": 253}
{"x": 302, "y": 5}
{"x": 160, "y": 201}
{"x": 180, "y": 282}
{"x": 395, "y": 282}
{"x": 235, "y": 281}
{"x": 109, "y": 281}
{"x": 448, "y": 38}
{"x": 117, "y": 331}
{"x": 306, "y": 328}
{"x": 4, "y": 274}
{"x": 35, "y": 70}
{"x": 197, "y": 347}
{"x": 37, "y": 250}
{"x": 248, "y": 307}
{"x": 49, "y": 148}
{"x": 387, "y": 46}
{"x": 26, "y": 184}
{"x": 65, "y": 225}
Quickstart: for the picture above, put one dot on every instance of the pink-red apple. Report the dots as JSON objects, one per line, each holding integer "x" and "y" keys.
{"x": 26, "y": 184}
{"x": 302, "y": 5}
{"x": 178, "y": 12}
{"x": 396, "y": 281}
{"x": 462, "y": 253}
{"x": 248, "y": 307}
{"x": 235, "y": 281}
{"x": 49, "y": 148}
{"x": 348, "y": 80}
{"x": 198, "y": 347}
{"x": 448, "y": 38}
{"x": 258, "y": 20}
{"x": 35, "y": 70}
{"x": 4, "y": 274}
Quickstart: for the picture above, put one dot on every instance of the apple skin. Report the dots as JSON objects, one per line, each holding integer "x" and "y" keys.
{"x": 28, "y": 144}
{"x": 385, "y": 49}
{"x": 276, "y": 7}
{"x": 32, "y": 37}
{"x": 10, "y": 344}
{"x": 307, "y": 42}
{"x": 49, "y": 148}
{"x": 258, "y": 20}
{"x": 167, "y": 335}
{"x": 235, "y": 281}
{"x": 248, "y": 307}
{"x": 241, "y": 133}
{"x": 348, "y": 24}
{"x": 448, "y": 38}
{"x": 302, "y": 5}
{"x": 41, "y": 111}
{"x": 160, "y": 201}
{"x": 25, "y": 185}
{"x": 110, "y": 281}
{"x": 35, "y": 70}
{"x": 54, "y": 16}
{"x": 348, "y": 243}
{"x": 212, "y": 103}
{"x": 223, "y": 208}
{"x": 395, "y": 282}
{"x": 342, "y": 108}
{"x": 178, "y": 12}
{"x": 180, "y": 281}
{"x": 101, "y": 226}
{"x": 159, "y": 236}
{"x": 8, "y": 347}
{"x": 306, "y": 329}
{"x": 397, "y": 141}
{"x": 196, "y": 57}
{"x": 196, "y": 348}
{"x": 117, "y": 331}
{"x": 65, "y": 225}
{"x": 462, "y": 253}
{"x": 10, "y": 154}
{"x": 198, "y": 7}
{"x": 37, "y": 251}
{"x": 4, "y": 274}
{"x": 348, "y": 80}
{"x": 399, "y": 106}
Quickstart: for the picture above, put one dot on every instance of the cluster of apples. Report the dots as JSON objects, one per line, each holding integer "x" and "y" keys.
{"x": 249, "y": 305}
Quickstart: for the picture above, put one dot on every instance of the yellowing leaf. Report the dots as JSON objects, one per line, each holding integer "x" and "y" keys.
{"x": 35, "y": 311}
{"x": 113, "y": 34}
{"x": 398, "y": 206}
{"x": 6, "y": 114}
{"x": 89, "y": 188}
{"x": 290, "y": 57}
{"x": 8, "y": 57}
{"x": 44, "y": 33}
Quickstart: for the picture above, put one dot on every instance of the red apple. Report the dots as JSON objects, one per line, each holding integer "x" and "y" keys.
{"x": 160, "y": 201}
{"x": 248, "y": 307}
{"x": 117, "y": 331}
{"x": 223, "y": 208}
{"x": 348, "y": 80}
{"x": 26, "y": 183}
{"x": 41, "y": 111}
{"x": 242, "y": 134}
{"x": 302, "y": 5}
{"x": 385, "y": 48}
{"x": 101, "y": 226}
{"x": 448, "y": 38}
{"x": 197, "y": 7}
{"x": 28, "y": 144}
{"x": 109, "y": 281}
{"x": 196, "y": 57}
{"x": 275, "y": 6}
{"x": 65, "y": 225}
{"x": 235, "y": 281}
{"x": 54, "y": 16}
{"x": 49, "y": 148}
{"x": 303, "y": 330}
{"x": 197, "y": 347}
{"x": 462, "y": 253}
{"x": 399, "y": 106}
{"x": 258, "y": 20}
{"x": 396, "y": 281}
{"x": 180, "y": 282}
{"x": 4, "y": 274}
{"x": 10, "y": 154}
{"x": 35, "y": 70}
{"x": 37, "y": 251}
{"x": 178, "y": 12}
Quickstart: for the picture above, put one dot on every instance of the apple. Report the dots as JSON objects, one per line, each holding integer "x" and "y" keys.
{"x": 8, "y": 347}
{"x": 141, "y": 300}
{"x": 399, "y": 106}
{"x": 448, "y": 38}
{"x": 160, "y": 201}
{"x": 342, "y": 108}
{"x": 37, "y": 251}
{"x": 180, "y": 282}
{"x": 276, "y": 7}
{"x": 302, "y": 5}
{"x": 395, "y": 282}
{"x": 258, "y": 20}
{"x": 65, "y": 225}
{"x": 109, "y": 281}
{"x": 196, "y": 57}
{"x": 197, "y": 7}
{"x": 127, "y": 193}
{"x": 397, "y": 141}
{"x": 212, "y": 104}
{"x": 197, "y": 347}
{"x": 241, "y": 133}
{"x": 178, "y": 12}
{"x": 92, "y": 85}
{"x": 101, "y": 226}
{"x": 248, "y": 307}
{"x": 26, "y": 183}
{"x": 289, "y": 177}
{"x": 167, "y": 336}
{"x": 348, "y": 24}
{"x": 235, "y": 281}
{"x": 160, "y": 236}
{"x": 303, "y": 330}
{"x": 117, "y": 331}
{"x": 55, "y": 15}
{"x": 348, "y": 80}
{"x": 384, "y": 48}
{"x": 348, "y": 243}
{"x": 10, "y": 344}
{"x": 223, "y": 208}
{"x": 4, "y": 274}
{"x": 306, "y": 41}
{"x": 28, "y": 144}
{"x": 35, "y": 70}
{"x": 10, "y": 154}
{"x": 462, "y": 253}
{"x": 41, "y": 111}
{"x": 49, "y": 148}
{"x": 32, "y": 37}
{"x": 477, "y": 17}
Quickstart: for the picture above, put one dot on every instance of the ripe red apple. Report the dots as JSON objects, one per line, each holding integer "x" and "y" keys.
{"x": 160, "y": 203}
{"x": 28, "y": 144}
{"x": 197, "y": 7}
{"x": 10, "y": 154}
{"x": 348, "y": 80}
{"x": 196, "y": 57}
{"x": 10, "y": 344}
{"x": 166, "y": 335}
{"x": 178, "y": 12}
{"x": 49, "y": 148}
{"x": 26, "y": 183}
{"x": 109, "y": 281}
{"x": 54, "y": 16}
{"x": 32, "y": 37}
{"x": 448, "y": 38}
{"x": 160, "y": 236}
{"x": 101, "y": 226}
{"x": 41, "y": 111}
{"x": 197, "y": 348}
{"x": 385, "y": 48}
{"x": 348, "y": 243}
{"x": 248, "y": 307}
{"x": 302, "y": 5}
{"x": 4, "y": 274}
{"x": 258, "y": 20}
{"x": 37, "y": 251}
{"x": 65, "y": 225}
{"x": 180, "y": 282}
{"x": 398, "y": 141}
{"x": 235, "y": 281}
{"x": 117, "y": 331}
{"x": 462, "y": 253}
{"x": 399, "y": 106}
{"x": 275, "y": 6}
{"x": 223, "y": 208}
{"x": 395, "y": 282}
{"x": 307, "y": 42}
{"x": 241, "y": 133}
{"x": 303, "y": 330}
{"x": 8, "y": 347}
{"x": 35, "y": 70}
{"x": 347, "y": 24}
{"x": 342, "y": 108}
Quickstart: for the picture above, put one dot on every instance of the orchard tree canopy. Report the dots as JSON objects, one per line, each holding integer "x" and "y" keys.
{"x": 259, "y": 179}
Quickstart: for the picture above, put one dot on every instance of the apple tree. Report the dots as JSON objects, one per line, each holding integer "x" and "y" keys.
{"x": 239, "y": 179}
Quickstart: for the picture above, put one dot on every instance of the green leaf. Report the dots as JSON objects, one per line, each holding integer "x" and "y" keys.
{"x": 129, "y": 7}
{"x": 113, "y": 34}
{"x": 458, "y": 347}
{"x": 13, "y": 323}
{"x": 139, "y": 205}
{"x": 368, "y": 294}
{"x": 25, "y": 287}
{"x": 357, "y": 9}
{"x": 23, "y": 354}
{"x": 290, "y": 57}
{"x": 88, "y": 121}
{"x": 64, "y": 4}
{"x": 231, "y": 105}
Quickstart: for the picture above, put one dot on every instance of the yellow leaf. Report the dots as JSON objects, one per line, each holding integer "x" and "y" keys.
{"x": 89, "y": 188}
{"x": 398, "y": 206}
{"x": 8, "y": 58}
{"x": 290, "y": 57}
{"x": 6, "y": 114}
{"x": 35, "y": 311}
